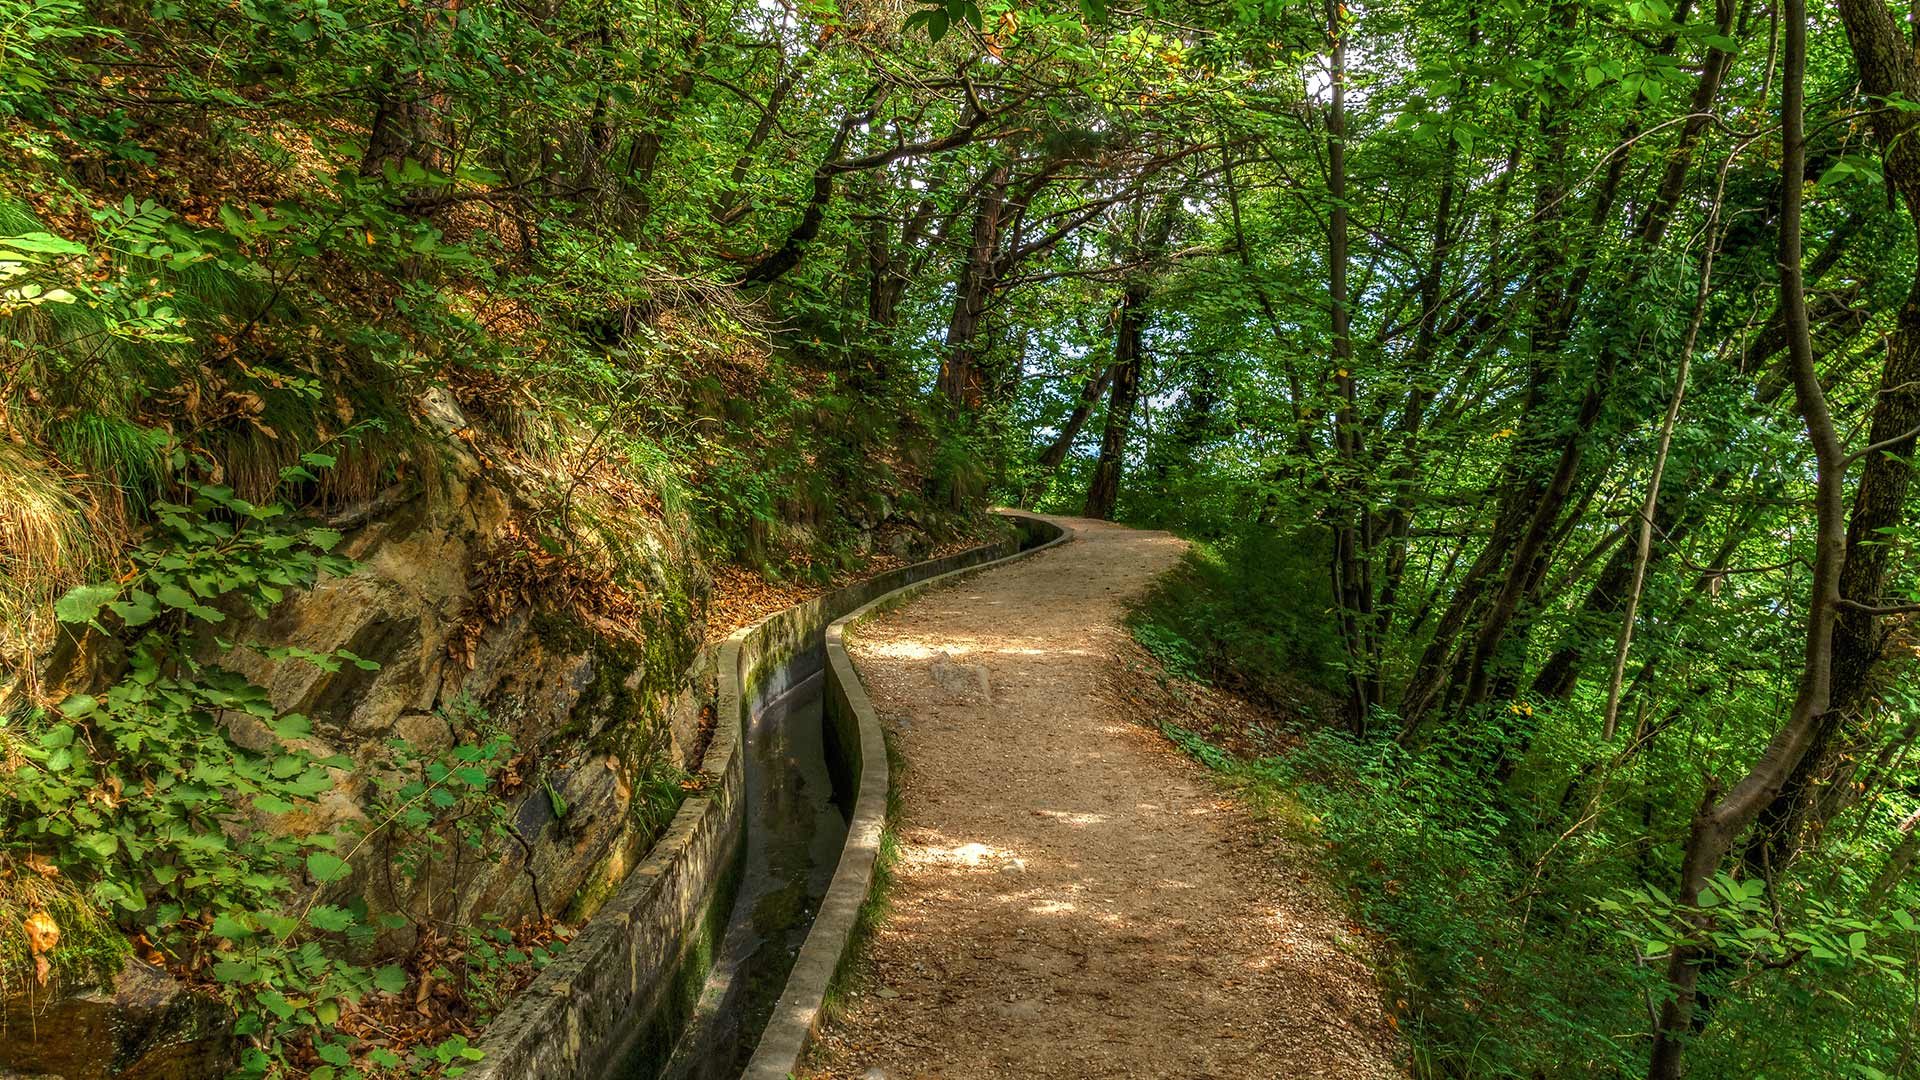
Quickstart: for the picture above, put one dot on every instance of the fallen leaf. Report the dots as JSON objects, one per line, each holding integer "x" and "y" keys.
{"x": 42, "y": 935}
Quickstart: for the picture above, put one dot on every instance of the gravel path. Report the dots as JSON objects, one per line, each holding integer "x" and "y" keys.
{"x": 1074, "y": 898}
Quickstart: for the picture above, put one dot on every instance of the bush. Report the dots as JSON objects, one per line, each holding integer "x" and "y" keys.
{"x": 1248, "y": 612}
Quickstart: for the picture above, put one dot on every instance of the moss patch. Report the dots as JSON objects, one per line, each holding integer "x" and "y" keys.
{"x": 90, "y": 949}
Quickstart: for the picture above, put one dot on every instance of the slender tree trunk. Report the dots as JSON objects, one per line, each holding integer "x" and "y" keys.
{"x": 1519, "y": 489}
{"x": 961, "y": 378}
{"x": 1103, "y": 493}
{"x": 787, "y": 256}
{"x": 1643, "y": 548}
{"x": 1090, "y": 394}
{"x": 1721, "y": 819}
{"x": 401, "y": 127}
{"x": 1351, "y": 518}
{"x": 1149, "y": 243}
{"x": 1402, "y": 489}
{"x": 1489, "y": 659}
{"x": 1888, "y": 69}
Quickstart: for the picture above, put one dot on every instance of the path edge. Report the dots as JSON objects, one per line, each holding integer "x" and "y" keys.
{"x": 798, "y": 1014}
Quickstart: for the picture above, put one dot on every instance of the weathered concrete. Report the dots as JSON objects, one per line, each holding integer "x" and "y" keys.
{"x": 796, "y": 1017}
{"x": 643, "y": 956}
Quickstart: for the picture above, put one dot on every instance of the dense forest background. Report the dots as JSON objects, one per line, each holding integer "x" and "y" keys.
{"x": 1540, "y": 381}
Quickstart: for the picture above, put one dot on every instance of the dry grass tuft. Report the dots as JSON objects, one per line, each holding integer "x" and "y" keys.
{"x": 48, "y": 540}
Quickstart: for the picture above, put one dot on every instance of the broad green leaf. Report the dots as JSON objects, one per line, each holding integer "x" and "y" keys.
{"x": 390, "y": 979}
{"x": 327, "y": 867}
{"x": 83, "y": 602}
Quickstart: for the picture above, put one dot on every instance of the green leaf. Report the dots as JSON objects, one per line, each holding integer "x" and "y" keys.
{"x": 330, "y": 919}
{"x": 231, "y": 927}
{"x": 82, "y": 603}
{"x": 137, "y": 609}
{"x": 390, "y": 979}
{"x": 77, "y": 706}
{"x": 326, "y": 866}
{"x": 175, "y": 597}
{"x": 102, "y": 844}
{"x": 235, "y": 971}
{"x": 41, "y": 243}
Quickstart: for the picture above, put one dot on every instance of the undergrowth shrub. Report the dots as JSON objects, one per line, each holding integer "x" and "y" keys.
{"x": 1524, "y": 940}
{"x": 1493, "y": 981}
{"x": 1247, "y": 612}
{"x": 167, "y": 808}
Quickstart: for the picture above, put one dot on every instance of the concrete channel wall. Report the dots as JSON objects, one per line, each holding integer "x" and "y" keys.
{"x": 627, "y": 982}
{"x": 798, "y": 1014}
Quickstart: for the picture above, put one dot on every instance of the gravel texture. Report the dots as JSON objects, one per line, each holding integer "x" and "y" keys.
{"x": 1073, "y": 897}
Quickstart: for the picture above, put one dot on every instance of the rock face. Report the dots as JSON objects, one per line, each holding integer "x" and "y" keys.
{"x": 476, "y": 629}
{"x": 145, "y": 1026}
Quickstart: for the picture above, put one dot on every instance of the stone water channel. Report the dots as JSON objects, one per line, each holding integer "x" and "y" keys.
{"x": 797, "y": 812}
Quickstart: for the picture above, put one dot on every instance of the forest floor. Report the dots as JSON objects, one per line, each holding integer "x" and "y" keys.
{"x": 1072, "y": 896}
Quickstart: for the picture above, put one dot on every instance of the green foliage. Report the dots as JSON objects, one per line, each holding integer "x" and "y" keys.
{"x": 1501, "y": 972}
{"x": 791, "y": 277}
{"x": 168, "y": 797}
{"x": 429, "y": 809}
{"x": 162, "y": 729}
{"x": 1240, "y": 612}
{"x": 1495, "y": 980}
{"x": 1179, "y": 656}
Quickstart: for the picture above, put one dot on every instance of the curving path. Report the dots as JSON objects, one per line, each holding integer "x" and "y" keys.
{"x": 1073, "y": 898}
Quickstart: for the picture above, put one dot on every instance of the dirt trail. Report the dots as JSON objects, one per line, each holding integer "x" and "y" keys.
{"x": 1074, "y": 898}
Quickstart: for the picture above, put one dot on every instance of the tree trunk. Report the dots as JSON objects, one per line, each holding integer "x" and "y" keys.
{"x": 1090, "y": 393}
{"x": 1130, "y": 323}
{"x": 1888, "y": 70}
{"x": 961, "y": 378}
{"x": 787, "y": 256}
{"x": 1104, "y": 490}
{"x": 1721, "y": 819}
{"x": 1488, "y": 658}
{"x": 1351, "y": 516}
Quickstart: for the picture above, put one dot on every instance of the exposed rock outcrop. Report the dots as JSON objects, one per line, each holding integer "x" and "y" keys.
{"x": 144, "y": 1026}
{"x": 470, "y": 622}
